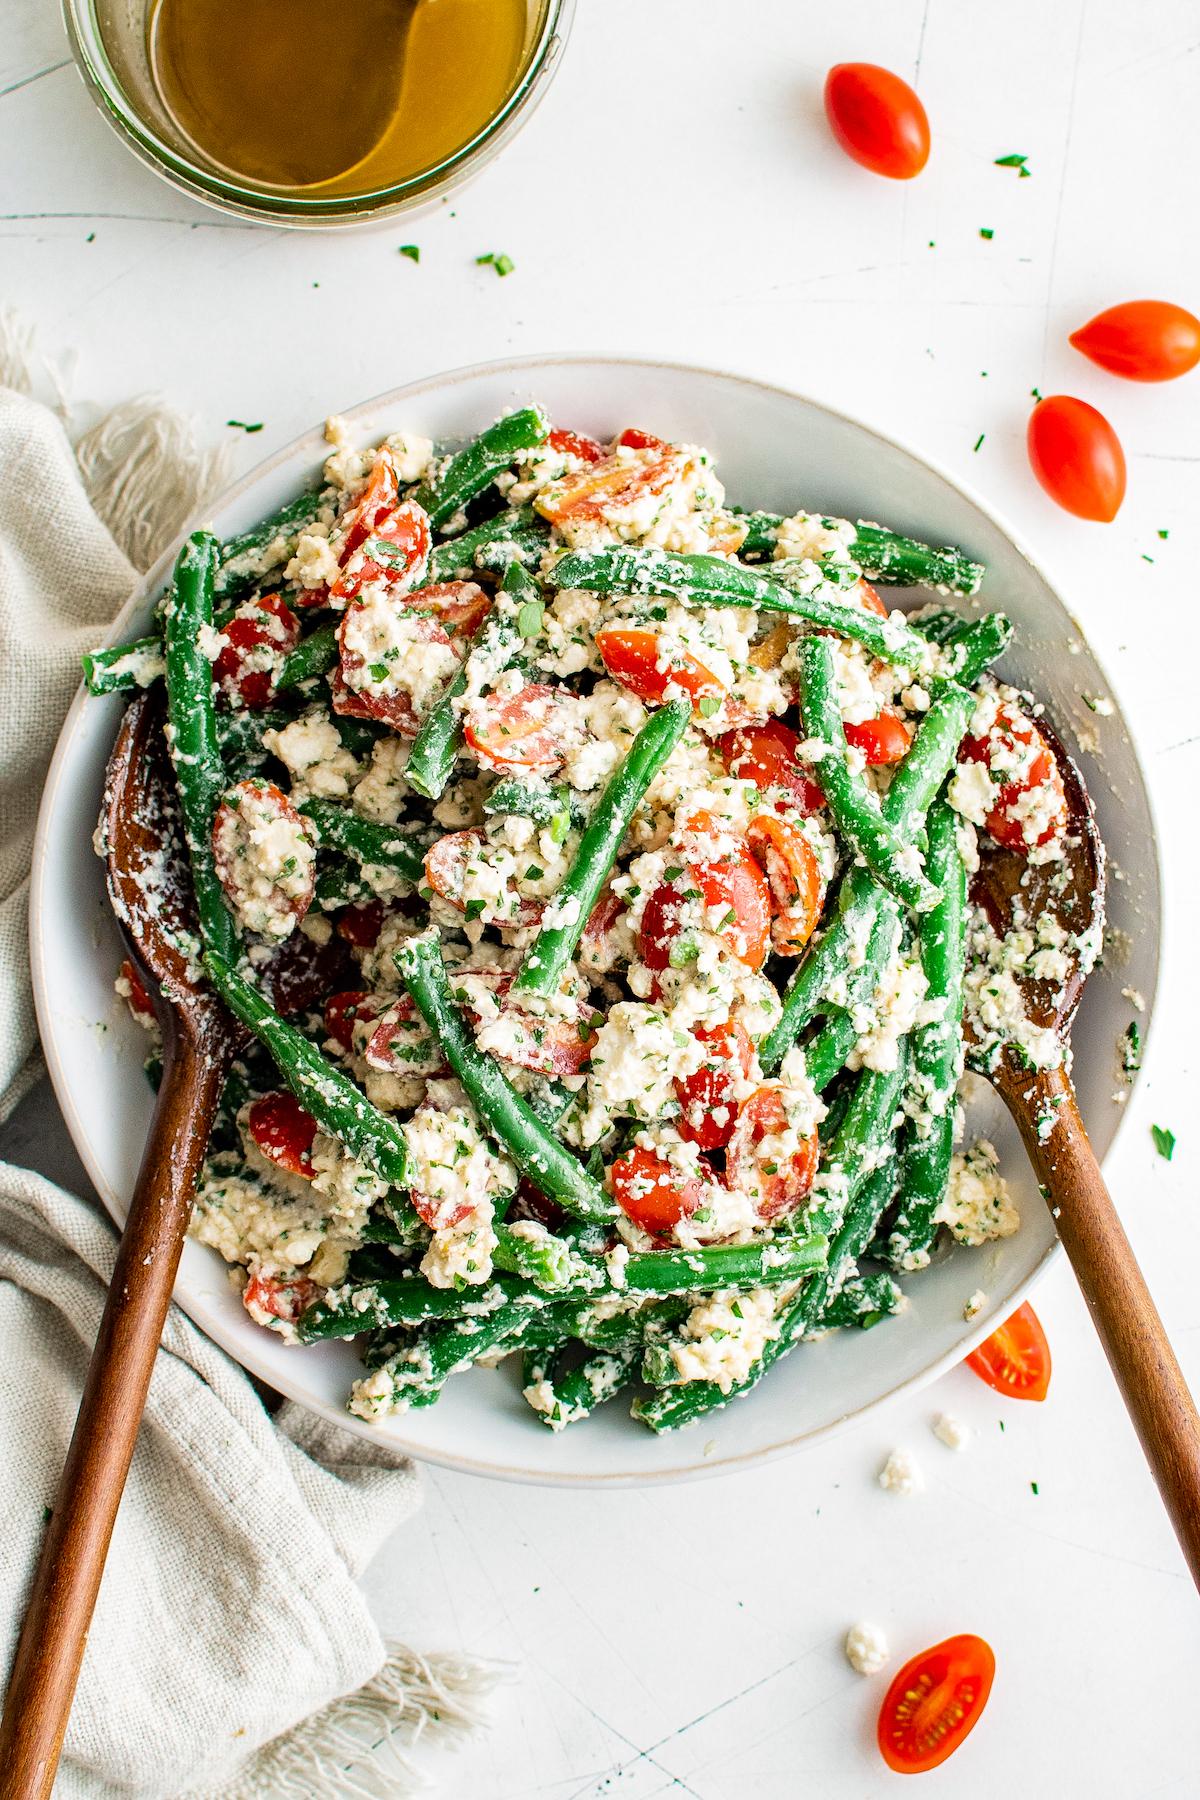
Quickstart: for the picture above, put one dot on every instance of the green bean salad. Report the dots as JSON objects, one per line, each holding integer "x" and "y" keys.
{"x": 643, "y": 828}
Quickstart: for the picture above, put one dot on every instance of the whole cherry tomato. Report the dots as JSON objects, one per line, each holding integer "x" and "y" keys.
{"x": 877, "y": 119}
{"x": 1143, "y": 340}
{"x": 1077, "y": 457}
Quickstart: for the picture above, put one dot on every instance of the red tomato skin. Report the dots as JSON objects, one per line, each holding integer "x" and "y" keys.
{"x": 653, "y": 1194}
{"x": 634, "y": 439}
{"x": 268, "y": 620}
{"x": 962, "y": 1668}
{"x": 1000, "y": 822}
{"x": 586, "y": 449}
{"x": 1015, "y": 1360}
{"x": 710, "y": 1088}
{"x": 379, "y": 497}
{"x": 518, "y": 733}
{"x": 341, "y": 1010}
{"x": 284, "y": 1132}
{"x": 631, "y": 657}
{"x": 766, "y": 755}
{"x": 137, "y": 1000}
{"x": 1077, "y": 457}
{"x": 1142, "y": 340}
{"x": 794, "y": 877}
{"x": 877, "y": 119}
{"x": 762, "y": 1115}
{"x": 882, "y": 740}
{"x": 361, "y": 925}
{"x": 870, "y": 599}
{"x": 269, "y": 1297}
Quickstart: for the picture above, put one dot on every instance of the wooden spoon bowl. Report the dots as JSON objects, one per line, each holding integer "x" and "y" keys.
{"x": 1011, "y": 890}
{"x": 150, "y": 887}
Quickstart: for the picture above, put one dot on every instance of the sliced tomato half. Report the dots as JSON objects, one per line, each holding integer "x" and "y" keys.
{"x": 654, "y": 1194}
{"x": 525, "y": 731}
{"x": 599, "y": 951}
{"x": 766, "y": 755}
{"x": 794, "y": 874}
{"x": 393, "y": 552}
{"x": 379, "y": 498}
{"x": 556, "y": 1045}
{"x": 612, "y": 483}
{"x": 1015, "y": 1360}
{"x": 341, "y": 1011}
{"x": 870, "y": 599}
{"x": 708, "y": 1097}
{"x": 402, "y": 1043}
{"x": 446, "y": 869}
{"x": 935, "y": 1701}
{"x": 631, "y": 656}
{"x": 267, "y": 1297}
{"x": 137, "y": 999}
{"x": 569, "y": 444}
{"x": 360, "y": 925}
{"x": 752, "y": 1165}
{"x": 882, "y": 740}
{"x": 284, "y": 1132}
{"x": 1015, "y": 735}
{"x": 266, "y": 622}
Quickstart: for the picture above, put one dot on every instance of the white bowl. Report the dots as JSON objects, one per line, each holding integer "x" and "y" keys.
{"x": 777, "y": 451}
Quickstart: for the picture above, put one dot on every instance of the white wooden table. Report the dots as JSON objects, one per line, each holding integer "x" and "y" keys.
{"x": 679, "y": 195}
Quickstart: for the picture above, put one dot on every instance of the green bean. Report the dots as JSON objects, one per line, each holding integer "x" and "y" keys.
{"x": 827, "y": 1053}
{"x": 976, "y": 647}
{"x": 518, "y": 534}
{"x": 937, "y": 1051}
{"x": 571, "y": 908}
{"x": 895, "y": 561}
{"x": 191, "y": 733}
{"x": 713, "y": 581}
{"x": 371, "y": 844}
{"x": 853, "y": 1236}
{"x": 862, "y": 1302}
{"x": 474, "y": 468}
{"x": 536, "y": 799}
{"x": 574, "y": 1395}
{"x": 401, "y": 1300}
{"x": 549, "y": 1164}
{"x": 854, "y": 1152}
{"x": 238, "y": 574}
{"x": 418, "y": 1371}
{"x": 340, "y": 1108}
{"x": 760, "y": 532}
{"x": 542, "y": 1259}
{"x": 339, "y": 884}
{"x": 499, "y": 637}
{"x": 671, "y": 1408}
{"x": 104, "y": 673}
{"x": 312, "y": 656}
{"x": 858, "y": 814}
{"x": 551, "y": 1103}
{"x": 912, "y": 791}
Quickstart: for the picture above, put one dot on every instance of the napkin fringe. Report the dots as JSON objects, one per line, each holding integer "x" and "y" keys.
{"x": 354, "y": 1748}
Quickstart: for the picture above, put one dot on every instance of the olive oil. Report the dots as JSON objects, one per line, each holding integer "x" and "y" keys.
{"x": 334, "y": 96}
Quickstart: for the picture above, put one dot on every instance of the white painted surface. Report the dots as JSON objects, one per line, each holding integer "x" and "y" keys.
{"x": 678, "y": 195}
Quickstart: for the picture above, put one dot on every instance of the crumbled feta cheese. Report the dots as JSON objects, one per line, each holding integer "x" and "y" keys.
{"x": 265, "y": 859}
{"x": 900, "y": 1474}
{"x": 725, "y": 1336}
{"x": 974, "y": 1305}
{"x": 311, "y": 751}
{"x": 456, "y": 1176}
{"x": 977, "y": 1205}
{"x": 951, "y": 1431}
{"x": 972, "y": 792}
{"x": 866, "y": 1649}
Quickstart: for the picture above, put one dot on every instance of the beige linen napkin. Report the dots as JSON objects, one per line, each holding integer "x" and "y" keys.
{"x": 229, "y": 1612}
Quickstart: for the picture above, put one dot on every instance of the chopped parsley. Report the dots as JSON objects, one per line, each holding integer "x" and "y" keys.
{"x": 1164, "y": 534}
{"x": 1013, "y": 161}
{"x": 1164, "y": 1141}
{"x": 240, "y": 425}
{"x": 529, "y": 619}
{"x": 411, "y": 251}
{"x": 709, "y": 706}
{"x": 503, "y": 265}
{"x": 985, "y": 231}
{"x": 979, "y": 439}
{"x": 533, "y": 873}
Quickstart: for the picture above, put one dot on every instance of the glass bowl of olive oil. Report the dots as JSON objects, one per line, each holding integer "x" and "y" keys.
{"x": 317, "y": 112}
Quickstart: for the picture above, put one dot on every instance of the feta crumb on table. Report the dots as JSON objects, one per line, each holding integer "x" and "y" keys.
{"x": 951, "y": 1431}
{"x": 866, "y": 1649}
{"x": 901, "y": 1474}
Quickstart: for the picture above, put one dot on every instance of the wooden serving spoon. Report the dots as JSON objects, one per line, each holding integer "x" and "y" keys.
{"x": 1043, "y": 1104}
{"x": 151, "y": 893}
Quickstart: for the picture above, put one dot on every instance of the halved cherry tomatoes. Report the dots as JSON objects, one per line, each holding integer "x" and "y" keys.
{"x": 614, "y": 482}
{"x": 734, "y": 892}
{"x": 137, "y": 999}
{"x": 599, "y": 950}
{"x": 267, "y": 1297}
{"x": 652, "y": 1193}
{"x": 882, "y": 740}
{"x": 870, "y": 599}
{"x": 361, "y": 925}
{"x": 934, "y": 1702}
{"x": 766, "y": 755}
{"x": 447, "y": 613}
{"x": 402, "y": 1043}
{"x": 341, "y": 1011}
{"x": 447, "y": 866}
{"x": 556, "y": 1045}
{"x": 264, "y": 623}
{"x": 877, "y": 119}
{"x": 380, "y": 495}
{"x": 1143, "y": 340}
{"x": 284, "y": 1132}
{"x": 794, "y": 877}
{"x": 394, "y": 551}
{"x": 1015, "y": 746}
{"x": 631, "y": 655}
{"x": 1077, "y": 457}
{"x": 567, "y": 443}
{"x": 708, "y": 1097}
{"x": 522, "y": 732}
{"x": 752, "y": 1161}
{"x": 1015, "y": 1360}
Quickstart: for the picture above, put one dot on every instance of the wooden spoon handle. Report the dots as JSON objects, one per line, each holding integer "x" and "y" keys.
{"x": 68, "y": 1576}
{"x": 1135, "y": 1342}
